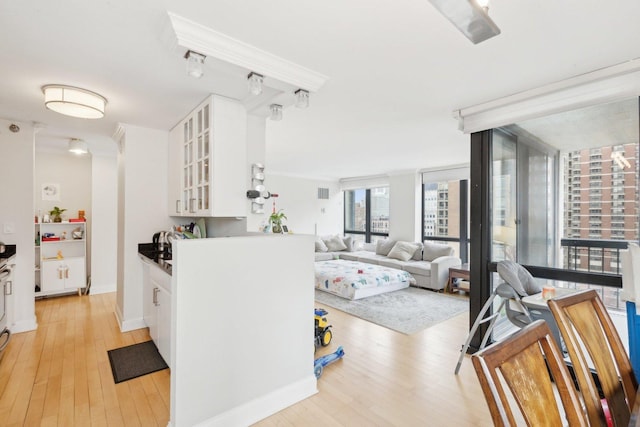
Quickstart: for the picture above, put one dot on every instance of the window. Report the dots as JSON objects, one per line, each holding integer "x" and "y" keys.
{"x": 445, "y": 212}
{"x": 366, "y": 213}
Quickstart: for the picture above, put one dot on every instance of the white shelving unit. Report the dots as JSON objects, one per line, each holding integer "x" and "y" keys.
{"x": 61, "y": 250}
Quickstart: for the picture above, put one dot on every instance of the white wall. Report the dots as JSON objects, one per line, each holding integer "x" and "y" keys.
{"x": 242, "y": 310}
{"x": 298, "y": 198}
{"x": 104, "y": 222}
{"x": 142, "y": 211}
{"x": 73, "y": 173}
{"x": 405, "y": 207}
{"x": 17, "y": 209}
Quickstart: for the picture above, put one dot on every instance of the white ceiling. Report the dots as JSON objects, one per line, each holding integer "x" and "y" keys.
{"x": 397, "y": 69}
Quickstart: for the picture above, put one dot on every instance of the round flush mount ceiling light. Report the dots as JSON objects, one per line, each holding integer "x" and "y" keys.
{"x": 78, "y": 146}
{"x": 74, "y": 101}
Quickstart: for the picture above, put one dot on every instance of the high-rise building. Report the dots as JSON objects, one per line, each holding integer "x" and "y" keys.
{"x": 600, "y": 202}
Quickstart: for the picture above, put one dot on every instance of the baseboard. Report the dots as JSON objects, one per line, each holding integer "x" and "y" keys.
{"x": 24, "y": 326}
{"x": 262, "y": 407}
{"x": 104, "y": 289}
{"x": 128, "y": 325}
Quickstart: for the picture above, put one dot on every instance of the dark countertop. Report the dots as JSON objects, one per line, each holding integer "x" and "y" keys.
{"x": 149, "y": 251}
{"x": 10, "y": 250}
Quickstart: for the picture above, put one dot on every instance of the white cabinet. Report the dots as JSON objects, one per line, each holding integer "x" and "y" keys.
{"x": 60, "y": 257}
{"x": 156, "y": 311}
{"x": 208, "y": 161}
{"x": 163, "y": 339}
{"x": 62, "y": 275}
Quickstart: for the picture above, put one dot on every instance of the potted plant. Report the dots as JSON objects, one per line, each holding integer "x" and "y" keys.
{"x": 55, "y": 214}
{"x": 276, "y": 221}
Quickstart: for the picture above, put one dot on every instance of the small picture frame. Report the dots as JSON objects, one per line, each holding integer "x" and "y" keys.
{"x": 285, "y": 229}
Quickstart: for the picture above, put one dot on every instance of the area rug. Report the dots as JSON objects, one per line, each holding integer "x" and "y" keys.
{"x": 135, "y": 360}
{"x": 408, "y": 310}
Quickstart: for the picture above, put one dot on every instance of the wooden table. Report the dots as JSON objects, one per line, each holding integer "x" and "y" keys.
{"x": 459, "y": 272}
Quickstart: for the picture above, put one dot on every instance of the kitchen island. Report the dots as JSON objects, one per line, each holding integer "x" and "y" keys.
{"x": 240, "y": 329}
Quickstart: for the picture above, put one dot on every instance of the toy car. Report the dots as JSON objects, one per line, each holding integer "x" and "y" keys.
{"x": 323, "y": 333}
{"x": 321, "y": 362}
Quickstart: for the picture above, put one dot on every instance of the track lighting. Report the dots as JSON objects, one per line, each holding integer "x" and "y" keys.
{"x": 254, "y": 82}
{"x": 302, "y": 98}
{"x": 276, "y": 112}
{"x": 195, "y": 62}
{"x": 470, "y": 17}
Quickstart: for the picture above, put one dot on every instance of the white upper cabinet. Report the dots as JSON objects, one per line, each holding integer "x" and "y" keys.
{"x": 208, "y": 161}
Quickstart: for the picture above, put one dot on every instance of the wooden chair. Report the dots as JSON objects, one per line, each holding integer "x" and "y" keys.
{"x": 519, "y": 362}
{"x": 585, "y": 325}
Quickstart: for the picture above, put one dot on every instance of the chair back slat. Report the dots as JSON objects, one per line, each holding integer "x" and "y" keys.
{"x": 584, "y": 324}
{"x": 528, "y": 363}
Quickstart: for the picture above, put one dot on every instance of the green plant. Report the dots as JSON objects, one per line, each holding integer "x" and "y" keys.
{"x": 55, "y": 214}
{"x": 276, "y": 221}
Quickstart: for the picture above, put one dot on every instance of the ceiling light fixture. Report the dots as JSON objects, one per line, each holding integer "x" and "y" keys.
{"x": 74, "y": 101}
{"x": 470, "y": 17}
{"x": 276, "y": 112}
{"x": 484, "y": 4}
{"x": 620, "y": 160}
{"x": 195, "y": 62}
{"x": 302, "y": 98}
{"x": 254, "y": 82}
{"x": 78, "y": 146}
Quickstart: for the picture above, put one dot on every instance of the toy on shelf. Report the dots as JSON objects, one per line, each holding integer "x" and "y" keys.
{"x": 323, "y": 333}
{"x": 321, "y": 362}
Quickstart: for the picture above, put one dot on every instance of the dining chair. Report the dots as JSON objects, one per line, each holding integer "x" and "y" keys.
{"x": 519, "y": 363}
{"x": 590, "y": 335}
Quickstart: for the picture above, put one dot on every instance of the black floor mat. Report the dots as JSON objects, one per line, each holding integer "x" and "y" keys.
{"x": 135, "y": 360}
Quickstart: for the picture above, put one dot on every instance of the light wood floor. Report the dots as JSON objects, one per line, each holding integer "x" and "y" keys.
{"x": 60, "y": 375}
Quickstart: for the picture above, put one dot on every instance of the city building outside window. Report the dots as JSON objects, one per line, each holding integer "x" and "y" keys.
{"x": 366, "y": 214}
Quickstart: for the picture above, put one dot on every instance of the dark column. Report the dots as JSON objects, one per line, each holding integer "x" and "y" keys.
{"x": 480, "y": 234}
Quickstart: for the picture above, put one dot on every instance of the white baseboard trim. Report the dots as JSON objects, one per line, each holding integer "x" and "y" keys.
{"x": 104, "y": 289}
{"x": 128, "y": 325}
{"x": 262, "y": 407}
{"x": 24, "y": 326}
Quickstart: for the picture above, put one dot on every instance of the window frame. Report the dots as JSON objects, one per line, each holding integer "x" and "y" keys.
{"x": 367, "y": 233}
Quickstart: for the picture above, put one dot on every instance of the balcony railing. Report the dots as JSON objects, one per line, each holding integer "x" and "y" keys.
{"x": 596, "y": 256}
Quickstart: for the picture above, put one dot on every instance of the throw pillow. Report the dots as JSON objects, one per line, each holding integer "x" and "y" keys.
{"x": 417, "y": 256}
{"x": 320, "y": 246}
{"x": 335, "y": 243}
{"x": 432, "y": 251}
{"x": 384, "y": 246}
{"x": 370, "y": 247}
{"x": 348, "y": 242}
{"x": 403, "y": 251}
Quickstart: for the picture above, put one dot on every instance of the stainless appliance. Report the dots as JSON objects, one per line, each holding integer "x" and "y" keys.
{"x": 5, "y": 289}
{"x": 160, "y": 241}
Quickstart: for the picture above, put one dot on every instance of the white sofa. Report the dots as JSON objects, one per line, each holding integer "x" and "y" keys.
{"x": 429, "y": 264}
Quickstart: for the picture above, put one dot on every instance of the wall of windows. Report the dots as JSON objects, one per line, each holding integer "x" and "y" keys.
{"x": 366, "y": 213}
{"x": 564, "y": 195}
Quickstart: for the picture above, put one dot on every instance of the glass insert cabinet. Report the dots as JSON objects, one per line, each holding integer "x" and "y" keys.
{"x": 208, "y": 161}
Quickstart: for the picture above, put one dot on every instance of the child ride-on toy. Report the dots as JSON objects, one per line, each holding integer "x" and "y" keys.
{"x": 321, "y": 362}
{"x": 323, "y": 333}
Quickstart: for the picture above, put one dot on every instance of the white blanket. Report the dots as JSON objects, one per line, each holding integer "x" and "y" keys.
{"x": 354, "y": 279}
